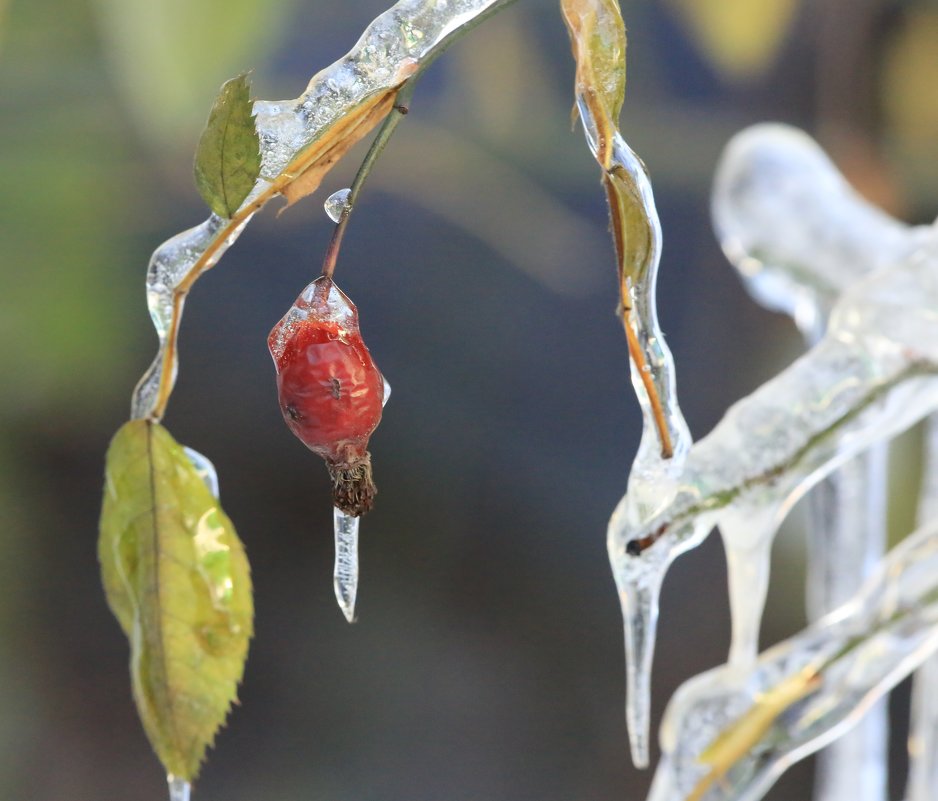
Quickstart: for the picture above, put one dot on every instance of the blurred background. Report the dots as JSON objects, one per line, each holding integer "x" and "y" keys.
{"x": 487, "y": 662}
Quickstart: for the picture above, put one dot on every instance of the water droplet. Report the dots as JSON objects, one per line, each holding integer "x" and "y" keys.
{"x": 205, "y": 469}
{"x": 337, "y": 204}
{"x": 345, "y": 576}
{"x": 387, "y": 392}
{"x": 179, "y": 789}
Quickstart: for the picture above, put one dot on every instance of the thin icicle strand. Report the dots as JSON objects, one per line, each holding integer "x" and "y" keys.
{"x": 923, "y": 734}
{"x": 345, "y": 575}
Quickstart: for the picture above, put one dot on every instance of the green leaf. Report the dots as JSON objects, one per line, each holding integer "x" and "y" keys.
{"x": 631, "y": 226}
{"x": 228, "y": 158}
{"x": 177, "y": 579}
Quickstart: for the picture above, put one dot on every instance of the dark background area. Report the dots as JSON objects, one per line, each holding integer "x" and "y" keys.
{"x": 487, "y": 662}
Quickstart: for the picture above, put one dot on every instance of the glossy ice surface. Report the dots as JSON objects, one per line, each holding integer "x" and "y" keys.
{"x": 870, "y": 376}
{"x": 390, "y": 48}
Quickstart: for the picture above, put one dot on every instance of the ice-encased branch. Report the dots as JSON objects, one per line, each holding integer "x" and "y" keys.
{"x": 727, "y": 737}
{"x": 873, "y": 375}
{"x": 294, "y": 134}
{"x": 790, "y": 204}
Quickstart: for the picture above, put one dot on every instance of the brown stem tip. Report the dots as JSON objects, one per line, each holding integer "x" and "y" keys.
{"x": 353, "y": 488}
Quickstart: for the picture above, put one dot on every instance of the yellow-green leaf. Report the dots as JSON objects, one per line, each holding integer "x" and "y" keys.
{"x": 739, "y": 37}
{"x": 228, "y": 158}
{"x": 597, "y": 34}
{"x": 177, "y": 579}
{"x": 740, "y": 737}
{"x": 631, "y": 229}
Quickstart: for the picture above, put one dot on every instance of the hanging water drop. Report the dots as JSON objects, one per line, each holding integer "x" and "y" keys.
{"x": 204, "y": 468}
{"x": 337, "y": 204}
{"x": 179, "y": 789}
{"x": 345, "y": 575}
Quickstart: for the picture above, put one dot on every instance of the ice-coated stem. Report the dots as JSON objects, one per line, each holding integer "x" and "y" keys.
{"x": 401, "y": 108}
{"x": 665, "y": 437}
{"x": 299, "y": 137}
{"x": 345, "y": 575}
{"x": 729, "y": 739}
{"x": 872, "y": 376}
{"x": 179, "y": 789}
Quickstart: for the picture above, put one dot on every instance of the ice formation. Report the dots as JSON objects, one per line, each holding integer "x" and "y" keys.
{"x": 804, "y": 690}
{"x": 871, "y": 375}
{"x": 392, "y": 47}
{"x": 774, "y": 172}
{"x": 650, "y": 469}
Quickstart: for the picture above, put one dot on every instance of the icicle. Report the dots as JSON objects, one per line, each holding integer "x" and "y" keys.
{"x": 179, "y": 789}
{"x": 872, "y": 376}
{"x": 651, "y": 475}
{"x": 747, "y": 533}
{"x": 923, "y": 730}
{"x": 923, "y": 734}
{"x": 345, "y": 575}
{"x": 727, "y": 739}
{"x": 799, "y": 235}
{"x": 846, "y": 539}
{"x": 345, "y": 528}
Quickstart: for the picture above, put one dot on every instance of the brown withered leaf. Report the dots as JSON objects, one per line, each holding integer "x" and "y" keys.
{"x": 597, "y": 36}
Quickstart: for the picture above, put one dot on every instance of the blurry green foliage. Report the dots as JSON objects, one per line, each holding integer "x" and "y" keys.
{"x": 157, "y": 48}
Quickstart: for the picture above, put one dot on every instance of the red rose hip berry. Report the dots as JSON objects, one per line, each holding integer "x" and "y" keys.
{"x": 331, "y": 393}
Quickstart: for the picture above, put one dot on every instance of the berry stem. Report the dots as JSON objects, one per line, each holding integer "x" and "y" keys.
{"x": 400, "y": 108}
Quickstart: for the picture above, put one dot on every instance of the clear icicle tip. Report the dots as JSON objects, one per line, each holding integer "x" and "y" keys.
{"x": 337, "y": 204}
{"x": 179, "y": 789}
{"x": 345, "y": 576}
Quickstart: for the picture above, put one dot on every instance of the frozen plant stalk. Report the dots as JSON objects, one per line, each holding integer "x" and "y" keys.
{"x": 597, "y": 34}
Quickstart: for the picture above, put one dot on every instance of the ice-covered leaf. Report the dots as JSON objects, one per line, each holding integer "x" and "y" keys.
{"x": 597, "y": 34}
{"x": 177, "y": 579}
{"x": 228, "y": 158}
{"x": 740, "y": 737}
{"x": 346, "y": 133}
